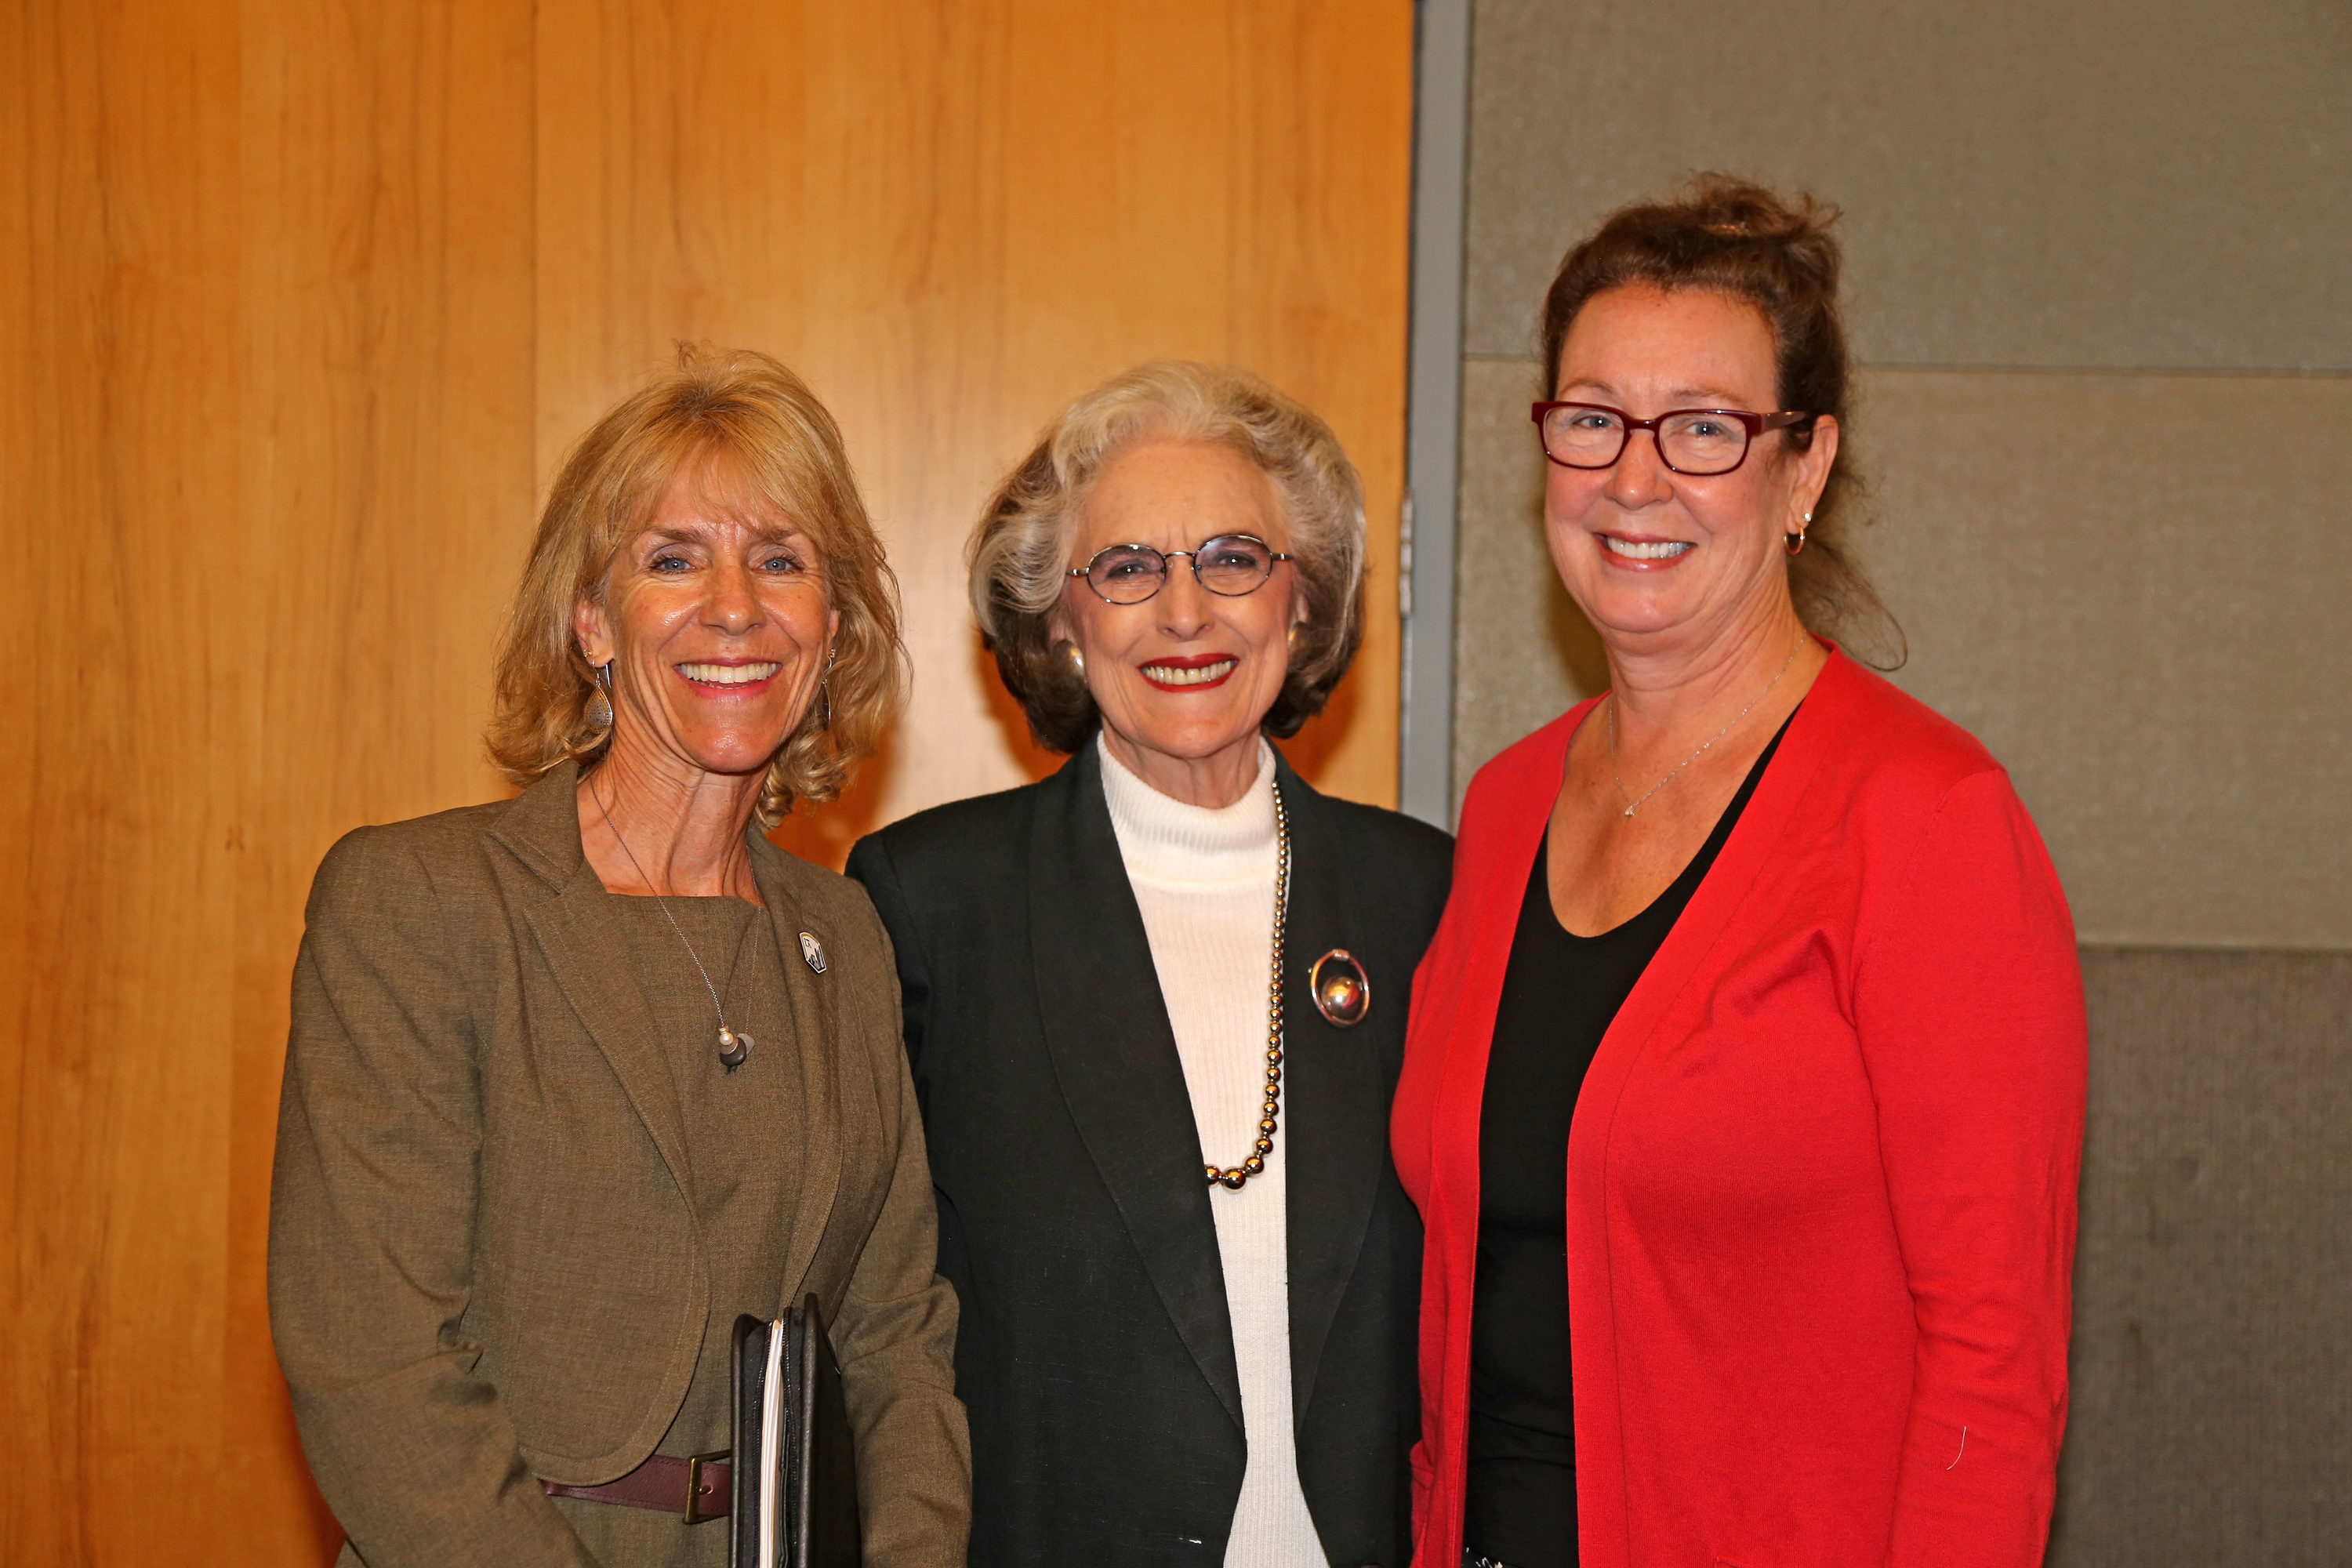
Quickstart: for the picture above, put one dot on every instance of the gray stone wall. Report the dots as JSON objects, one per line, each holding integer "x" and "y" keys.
{"x": 2211, "y": 1421}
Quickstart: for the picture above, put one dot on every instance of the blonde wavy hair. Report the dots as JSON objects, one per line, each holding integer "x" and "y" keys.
{"x": 1021, "y": 551}
{"x": 742, "y": 422}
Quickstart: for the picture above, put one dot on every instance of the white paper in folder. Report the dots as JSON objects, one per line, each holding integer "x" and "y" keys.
{"x": 771, "y": 1437}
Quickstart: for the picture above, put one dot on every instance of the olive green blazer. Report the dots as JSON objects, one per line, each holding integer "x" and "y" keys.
{"x": 484, "y": 1263}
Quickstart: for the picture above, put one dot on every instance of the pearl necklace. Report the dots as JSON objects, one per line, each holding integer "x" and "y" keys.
{"x": 1255, "y": 1165}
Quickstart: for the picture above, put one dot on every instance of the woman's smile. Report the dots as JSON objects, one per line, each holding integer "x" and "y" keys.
{"x": 1640, "y": 553}
{"x": 1191, "y": 671}
{"x": 741, "y": 676}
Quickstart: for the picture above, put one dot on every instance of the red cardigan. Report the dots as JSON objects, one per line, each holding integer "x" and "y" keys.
{"x": 1821, "y": 1177}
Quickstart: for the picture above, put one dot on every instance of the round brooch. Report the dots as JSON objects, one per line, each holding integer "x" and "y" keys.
{"x": 1342, "y": 991}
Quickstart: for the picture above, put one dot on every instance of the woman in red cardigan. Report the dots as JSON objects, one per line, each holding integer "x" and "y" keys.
{"x": 1743, "y": 1094}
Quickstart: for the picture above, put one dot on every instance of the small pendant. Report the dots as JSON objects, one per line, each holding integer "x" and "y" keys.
{"x": 734, "y": 1049}
{"x": 1629, "y": 811}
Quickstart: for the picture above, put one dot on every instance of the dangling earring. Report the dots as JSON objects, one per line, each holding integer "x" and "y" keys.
{"x": 1291, "y": 639}
{"x": 1796, "y": 541}
{"x": 824, "y": 695}
{"x": 599, "y": 702}
{"x": 1075, "y": 661}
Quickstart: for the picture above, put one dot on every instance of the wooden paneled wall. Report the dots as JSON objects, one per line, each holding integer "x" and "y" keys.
{"x": 300, "y": 305}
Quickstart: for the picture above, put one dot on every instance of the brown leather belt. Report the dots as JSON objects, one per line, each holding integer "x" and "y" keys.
{"x": 696, "y": 1490}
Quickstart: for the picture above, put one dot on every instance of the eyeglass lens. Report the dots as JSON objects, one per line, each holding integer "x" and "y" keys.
{"x": 1693, "y": 442}
{"x": 1231, "y": 565}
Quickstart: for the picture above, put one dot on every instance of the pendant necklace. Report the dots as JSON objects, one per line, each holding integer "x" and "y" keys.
{"x": 734, "y": 1049}
{"x": 1255, "y": 1164}
{"x": 1632, "y": 806}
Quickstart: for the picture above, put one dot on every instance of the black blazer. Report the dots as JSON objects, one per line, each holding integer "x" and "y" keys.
{"x": 1095, "y": 1352}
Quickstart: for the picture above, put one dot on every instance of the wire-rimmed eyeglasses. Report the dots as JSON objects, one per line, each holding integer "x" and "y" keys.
{"x": 1694, "y": 441}
{"x": 1231, "y": 564}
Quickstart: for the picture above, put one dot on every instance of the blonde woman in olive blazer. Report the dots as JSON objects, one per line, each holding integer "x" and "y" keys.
{"x": 500, "y": 1276}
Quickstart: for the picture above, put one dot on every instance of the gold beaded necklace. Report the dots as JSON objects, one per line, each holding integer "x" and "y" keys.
{"x": 1255, "y": 1165}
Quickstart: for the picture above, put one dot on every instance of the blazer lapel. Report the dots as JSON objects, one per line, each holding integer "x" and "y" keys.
{"x": 1114, "y": 1055}
{"x": 1335, "y": 1110}
{"x": 815, "y": 1033}
{"x": 584, "y": 953}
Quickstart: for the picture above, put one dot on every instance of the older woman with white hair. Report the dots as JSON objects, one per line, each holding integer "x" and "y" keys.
{"x": 1155, "y": 1007}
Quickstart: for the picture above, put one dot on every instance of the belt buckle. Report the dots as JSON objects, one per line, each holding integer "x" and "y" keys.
{"x": 695, "y": 1489}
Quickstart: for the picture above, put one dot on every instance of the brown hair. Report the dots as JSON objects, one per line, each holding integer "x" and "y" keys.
{"x": 1021, "y": 551}
{"x": 1735, "y": 237}
{"x": 753, "y": 434}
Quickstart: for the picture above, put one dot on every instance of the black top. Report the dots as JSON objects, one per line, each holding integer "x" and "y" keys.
{"x": 1094, "y": 1353}
{"x": 1560, "y": 995}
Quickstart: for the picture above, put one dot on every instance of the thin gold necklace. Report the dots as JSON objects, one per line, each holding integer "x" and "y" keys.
{"x": 734, "y": 1048}
{"x": 1632, "y": 806}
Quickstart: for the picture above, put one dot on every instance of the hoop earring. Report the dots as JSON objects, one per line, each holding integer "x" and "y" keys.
{"x": 1071, "y": 659}
{"x": 1796, "y": 541}
{"x": 600, "y": 701}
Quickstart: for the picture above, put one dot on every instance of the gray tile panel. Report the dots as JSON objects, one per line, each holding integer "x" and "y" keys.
{"x": 2134, "y": 589}
{"x": 2137, "y": 591}
{"x": 2113, "y": 184}
{"x": 1522, "y": 652}
{"x": 2212, "y": 1410}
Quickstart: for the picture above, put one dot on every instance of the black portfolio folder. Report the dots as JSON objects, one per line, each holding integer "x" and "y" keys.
{"x": 795, "y": 1474}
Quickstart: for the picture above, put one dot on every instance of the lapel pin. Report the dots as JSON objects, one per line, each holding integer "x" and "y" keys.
{"x": 1342, "y": 991}
{"x": 813, "y": 951}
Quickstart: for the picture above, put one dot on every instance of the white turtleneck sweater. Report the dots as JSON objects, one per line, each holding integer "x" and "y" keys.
{"x": 1205, "y": 881}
